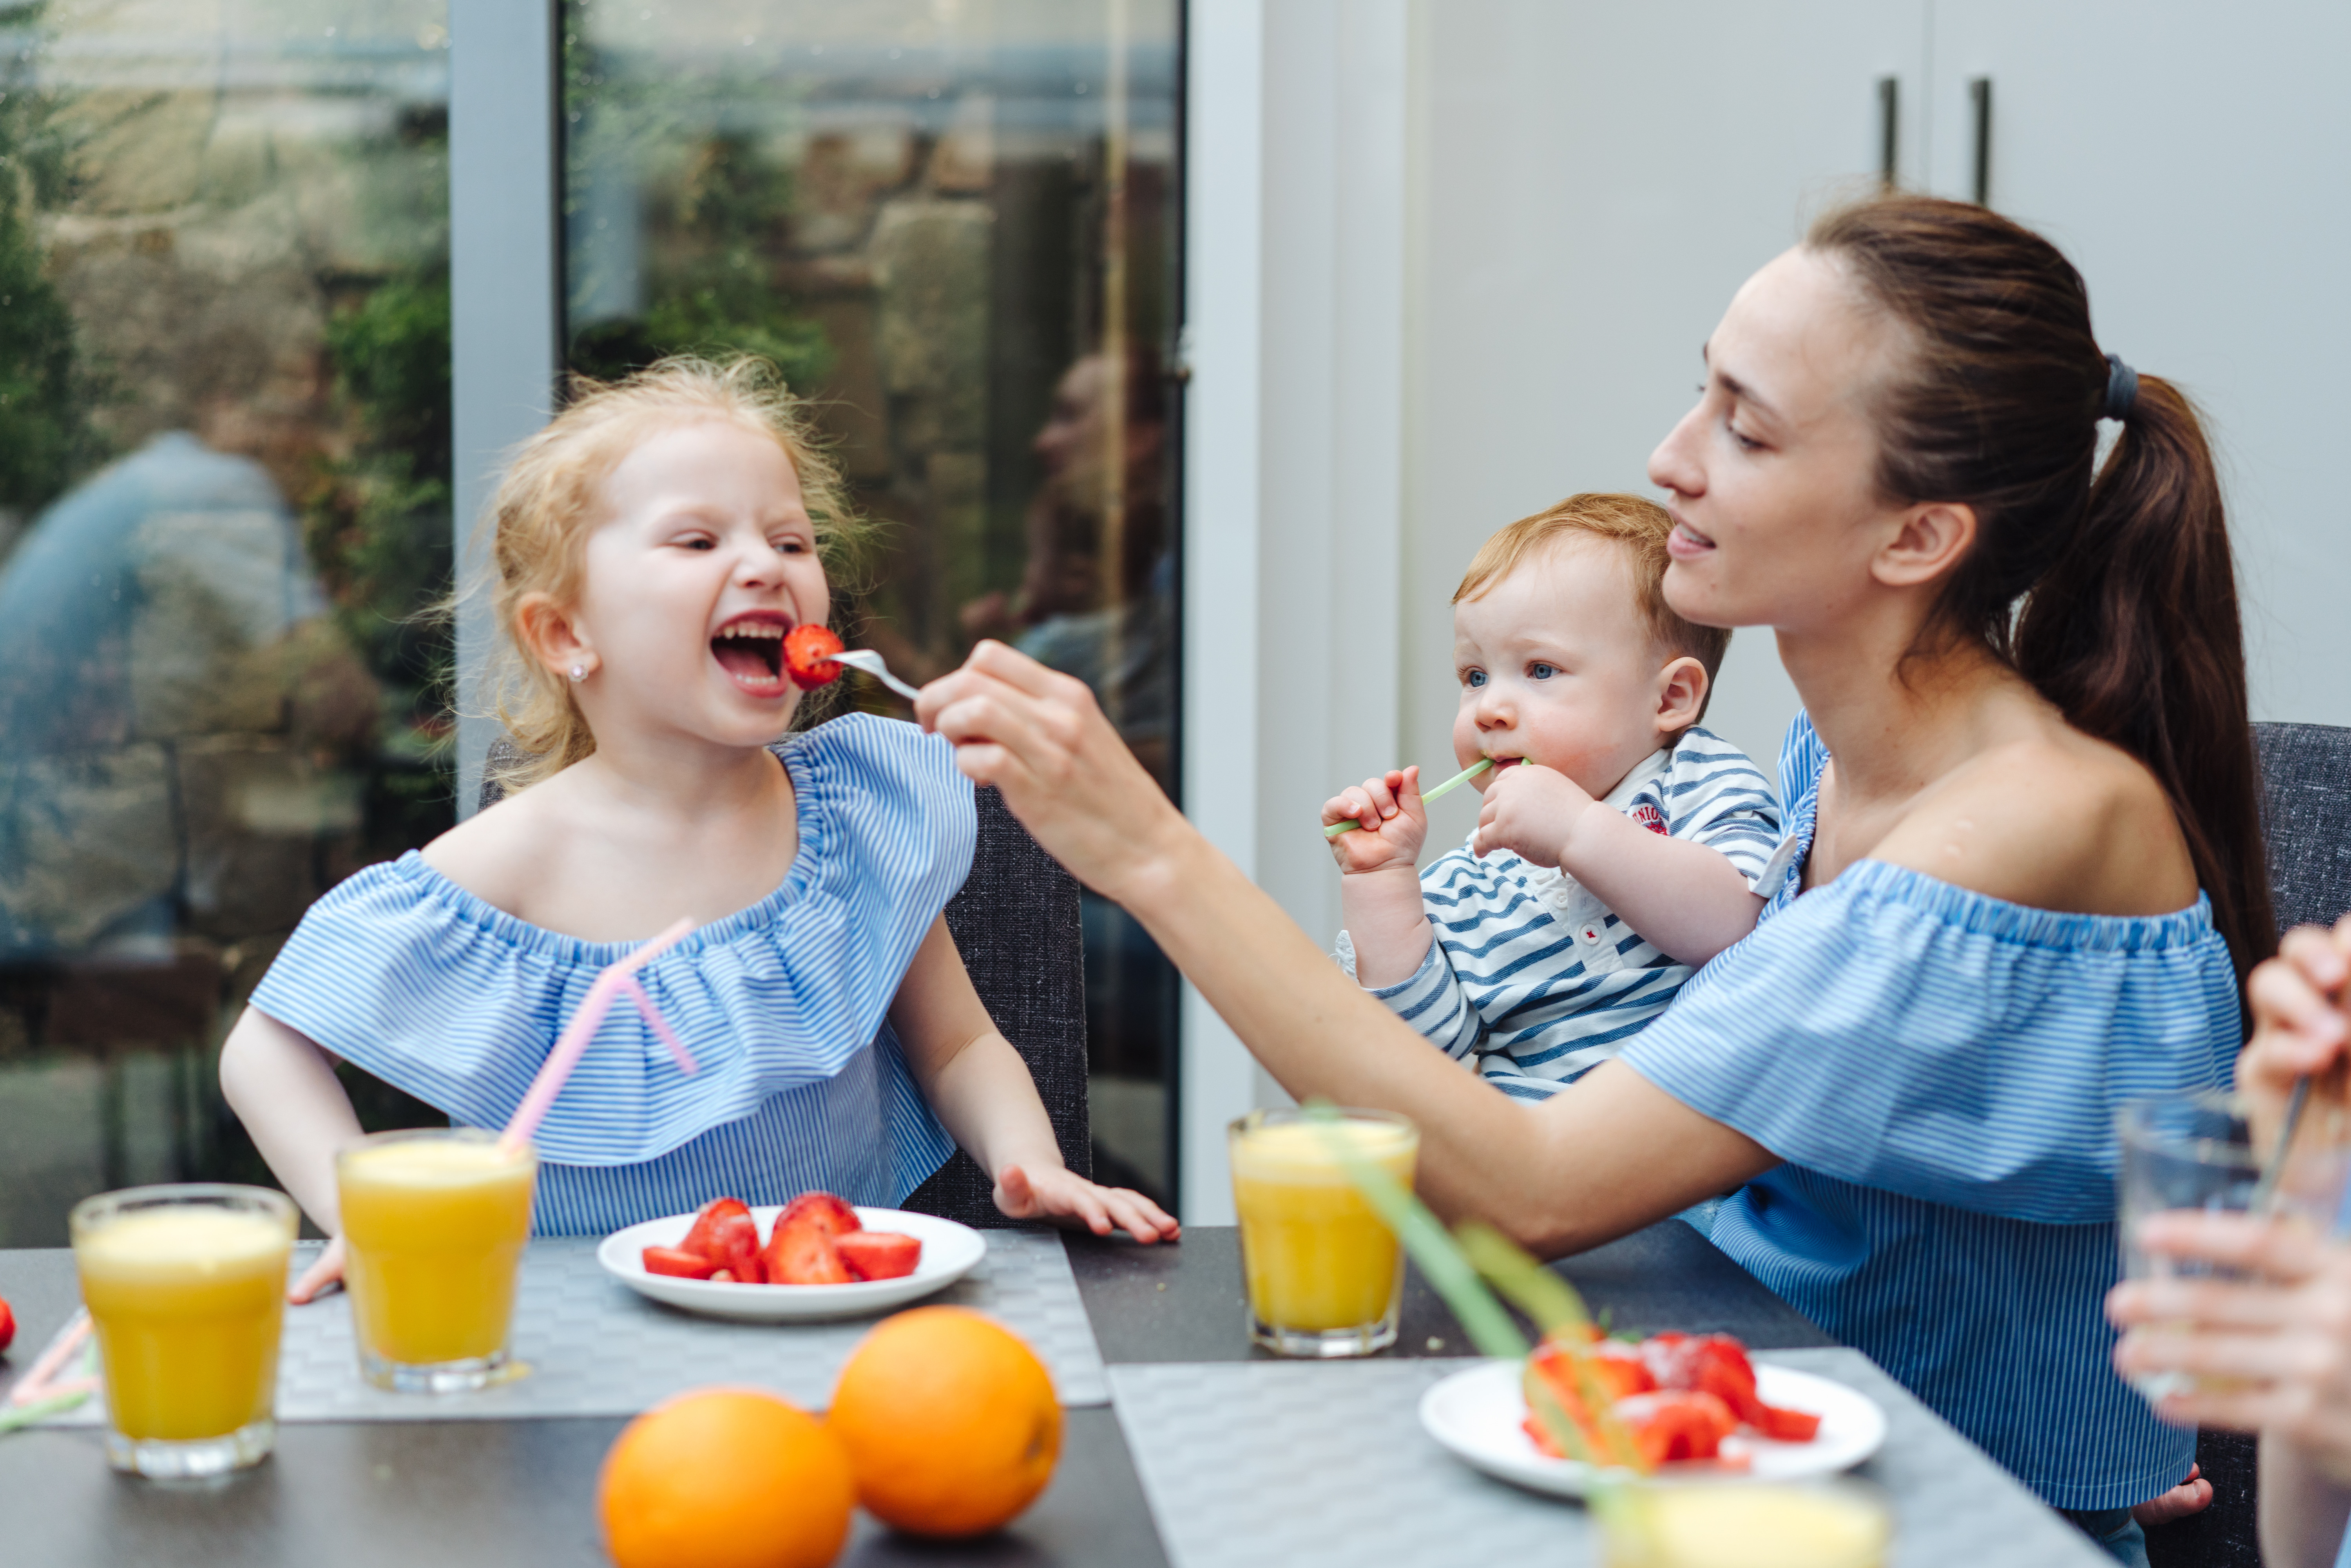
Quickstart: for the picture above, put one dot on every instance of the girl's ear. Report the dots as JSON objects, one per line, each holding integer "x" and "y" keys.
{"x": 1929, "y": 543}
{"x": 1681, "y": 694}
{"x": 549, "y": 635}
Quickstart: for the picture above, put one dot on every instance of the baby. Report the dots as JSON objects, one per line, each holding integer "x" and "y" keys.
{"x": 1616, "y": 850}
{"x": 653, "y": 546}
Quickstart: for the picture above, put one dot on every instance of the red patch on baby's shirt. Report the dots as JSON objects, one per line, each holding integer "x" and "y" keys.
{"x": 1649, "y": 817}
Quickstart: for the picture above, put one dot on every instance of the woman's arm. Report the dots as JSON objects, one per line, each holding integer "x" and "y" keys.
{"x": 983, "y": 1092}
{"x": 283, "y": 1087}
{"x": 1584, "y": 1167}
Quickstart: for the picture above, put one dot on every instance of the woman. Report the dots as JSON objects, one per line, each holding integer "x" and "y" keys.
{"x": 1910, "y": 1067}
{"x": 2277, "y": 1349}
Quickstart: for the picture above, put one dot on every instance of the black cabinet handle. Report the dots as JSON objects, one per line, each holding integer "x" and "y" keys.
{"x": 1889, "y": 123}
{"x": 1979, "y": 96}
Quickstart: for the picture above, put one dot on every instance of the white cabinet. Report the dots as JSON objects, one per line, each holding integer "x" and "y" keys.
{"x": 1596, "y": 179}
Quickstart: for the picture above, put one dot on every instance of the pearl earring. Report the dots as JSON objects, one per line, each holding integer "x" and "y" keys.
{"x": 579, "y": 672}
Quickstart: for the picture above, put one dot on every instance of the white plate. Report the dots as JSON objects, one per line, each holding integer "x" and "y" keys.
{"x": 1477, "y": 1414}
{"x": 949, "y": 1252}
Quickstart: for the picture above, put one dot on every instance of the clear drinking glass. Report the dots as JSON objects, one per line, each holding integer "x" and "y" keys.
{"x": 1325, "y": 1274}
{"x": 186, "y": 1291}
{"x": 1837, "y": 1523}
{"x": 434, "y": 1219}
{"x": 2197, "y": 1151}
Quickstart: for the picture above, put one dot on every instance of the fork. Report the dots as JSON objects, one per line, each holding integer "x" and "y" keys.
{"x": 867, "y": 660}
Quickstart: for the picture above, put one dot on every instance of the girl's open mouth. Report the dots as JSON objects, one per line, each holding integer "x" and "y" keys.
{"x": 1686, "y": 541}
{"x": 750, "y": 649}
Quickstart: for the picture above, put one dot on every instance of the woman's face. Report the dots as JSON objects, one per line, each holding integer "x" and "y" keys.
{"x": 1772, "y": 477}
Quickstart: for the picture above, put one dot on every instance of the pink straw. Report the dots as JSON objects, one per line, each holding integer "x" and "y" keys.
{"x": 36, "y": 1384}
{"x": 619, "y": 980}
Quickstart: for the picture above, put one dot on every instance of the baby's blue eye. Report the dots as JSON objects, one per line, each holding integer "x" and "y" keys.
{"x": 1541, "y": 672}
{"x": 1474, "y": 679}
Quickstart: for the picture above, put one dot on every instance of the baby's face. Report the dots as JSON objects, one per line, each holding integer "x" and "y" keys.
{"x": 1557, "y": 666}
{"x": 705, "y": 557}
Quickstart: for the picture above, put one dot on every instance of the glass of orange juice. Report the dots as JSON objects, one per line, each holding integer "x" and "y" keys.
{"x": 434, "y": 1219}
{"x": 186, "y": 1291}
{"x": 1834, "y": 1524}
{"x": 1325, "y": 1274}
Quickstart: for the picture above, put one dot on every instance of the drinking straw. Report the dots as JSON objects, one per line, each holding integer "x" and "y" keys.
{"x": 37, "y": 1395}
{"x": 2266, "y": 1187}
{"x": 1467, "y": 774}
{"x": 34, "y": 1385}
{"x": 617, "y": 979}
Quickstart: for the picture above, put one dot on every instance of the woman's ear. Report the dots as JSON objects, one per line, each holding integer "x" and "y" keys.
{"x": 1682, "y": 686}
{"x": 549, "y": 635}
{"x": 1932, "y": 538}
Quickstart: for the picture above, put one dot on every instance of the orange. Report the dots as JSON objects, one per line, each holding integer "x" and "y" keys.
{"x": 724, "y": 1478}
{"x": 950, "y": 1422}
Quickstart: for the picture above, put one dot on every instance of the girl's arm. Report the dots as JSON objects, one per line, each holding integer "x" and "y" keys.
{"x": 1603, "y": 1159}
{"x": 1686, "y": 899}
{"x": 283, "y": 1087}
{"x": 982, "y": 1091}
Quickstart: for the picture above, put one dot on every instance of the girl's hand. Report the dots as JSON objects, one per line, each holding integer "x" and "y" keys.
{"x": 2298, "y": 1020}
{"x": 1393, "y": 823}
{"x": 1059, "y": 1194}
{"x": 328, "y": 1270}
{"x": 1530, "y": 810}
{"x": 2278, "y": 1347}
{"x": 1039, "y": 737}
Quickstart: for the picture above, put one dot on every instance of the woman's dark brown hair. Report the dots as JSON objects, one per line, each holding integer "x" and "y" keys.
{"x": 2129, "y": 622}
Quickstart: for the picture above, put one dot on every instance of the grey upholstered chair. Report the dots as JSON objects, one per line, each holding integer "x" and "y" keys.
{"x": 2306, "y": 824}
{"x": 1016, "y": 923}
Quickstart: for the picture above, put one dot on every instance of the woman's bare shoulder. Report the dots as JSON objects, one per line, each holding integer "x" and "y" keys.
{"x": 2057, "y": 820}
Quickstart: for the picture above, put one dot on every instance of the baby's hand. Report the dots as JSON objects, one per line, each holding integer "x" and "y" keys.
{"x": 1392, "y": 822}
{"x": 1530, "y": 810}
{"x": 327, "y": 1270}
{"x": 1057, "y": 1193}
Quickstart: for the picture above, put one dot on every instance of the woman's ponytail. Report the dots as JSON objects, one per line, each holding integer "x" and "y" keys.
{"x": 2129, "y": 622}
{"x": 2134, "y": 633}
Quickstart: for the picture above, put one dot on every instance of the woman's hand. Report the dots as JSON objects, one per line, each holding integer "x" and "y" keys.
{"x": 2299, "y": 1027}
{"x": 1057, "y": 1193}
{"x": 1392, "y": 823}
{"x": 1039, "y": 737}
{"x": 2275, "y": 1350}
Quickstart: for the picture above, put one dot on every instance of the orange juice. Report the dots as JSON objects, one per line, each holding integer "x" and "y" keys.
{"x": 433, "y": 1224}
{"x": 186, "y": 1293}
{"x": 1745, "y": 1525}
{"x": 1325, "y": 1274}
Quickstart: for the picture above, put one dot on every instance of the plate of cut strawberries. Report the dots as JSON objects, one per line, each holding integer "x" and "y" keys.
{"x": 815, "y": 1257}
{"x": 1677, "y": 1406}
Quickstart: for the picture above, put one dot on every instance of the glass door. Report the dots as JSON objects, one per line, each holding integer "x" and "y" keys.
{"x": 953, "y": 223}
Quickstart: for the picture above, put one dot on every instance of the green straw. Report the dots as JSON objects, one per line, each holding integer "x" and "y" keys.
{"x": 1467, "y": 774}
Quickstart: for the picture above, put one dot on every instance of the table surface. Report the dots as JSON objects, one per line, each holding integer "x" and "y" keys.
{"x": 522, "y": 1492}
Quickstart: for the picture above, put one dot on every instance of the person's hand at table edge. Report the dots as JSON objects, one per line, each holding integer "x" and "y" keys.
{"x": 1039, "y": 737}
{"x": 324, "y": 1270}
{"x": 1060, "y": 1195}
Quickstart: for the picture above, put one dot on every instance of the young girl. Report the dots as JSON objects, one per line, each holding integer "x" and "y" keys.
{"x": 653, "y": 546}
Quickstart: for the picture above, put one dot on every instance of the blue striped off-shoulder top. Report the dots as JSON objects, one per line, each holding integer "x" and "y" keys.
{"x": 1940, "y": 1071}
{"x": 415, "y": 980}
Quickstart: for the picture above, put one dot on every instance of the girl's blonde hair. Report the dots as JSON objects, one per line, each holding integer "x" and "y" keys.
{"x": 545, "y": 508}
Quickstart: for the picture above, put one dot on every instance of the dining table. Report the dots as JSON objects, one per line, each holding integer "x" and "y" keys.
{"x": 1184, "y": 1444}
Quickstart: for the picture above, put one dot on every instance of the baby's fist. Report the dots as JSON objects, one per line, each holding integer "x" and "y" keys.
{"x": 1390, "y": 822}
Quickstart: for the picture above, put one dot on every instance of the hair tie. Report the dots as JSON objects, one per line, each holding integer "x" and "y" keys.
{"x": 2121, "y": 389}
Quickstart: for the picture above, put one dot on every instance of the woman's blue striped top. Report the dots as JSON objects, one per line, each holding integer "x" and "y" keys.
{"x": 1940, "y": 1071}
{"x": 415, "y": 980}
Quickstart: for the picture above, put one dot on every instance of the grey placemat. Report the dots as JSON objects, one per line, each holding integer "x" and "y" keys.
{"x": 1298, "y": 1464}
{"x": 597, "y": 1348}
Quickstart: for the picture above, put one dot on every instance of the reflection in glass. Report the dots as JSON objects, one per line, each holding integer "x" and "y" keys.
{"x": 954, "y": 222}
{"x": 224, "y": 497}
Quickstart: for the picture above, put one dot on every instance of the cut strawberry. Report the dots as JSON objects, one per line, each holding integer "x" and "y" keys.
{"x": 1671, "y": 1425}
{"x": 704, "y": 1236}
{"x": 7, "y": 1325}
{"x": 809, "y": 656}
{"x": 738, "y": 1245}
{"x": 879, "y": 1254}
{"x": 1785, "y": 1426}
{"x": 829, "y": 1213}
{"x": 678, "y": 1263}
{"x": 802, "y": 1251}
